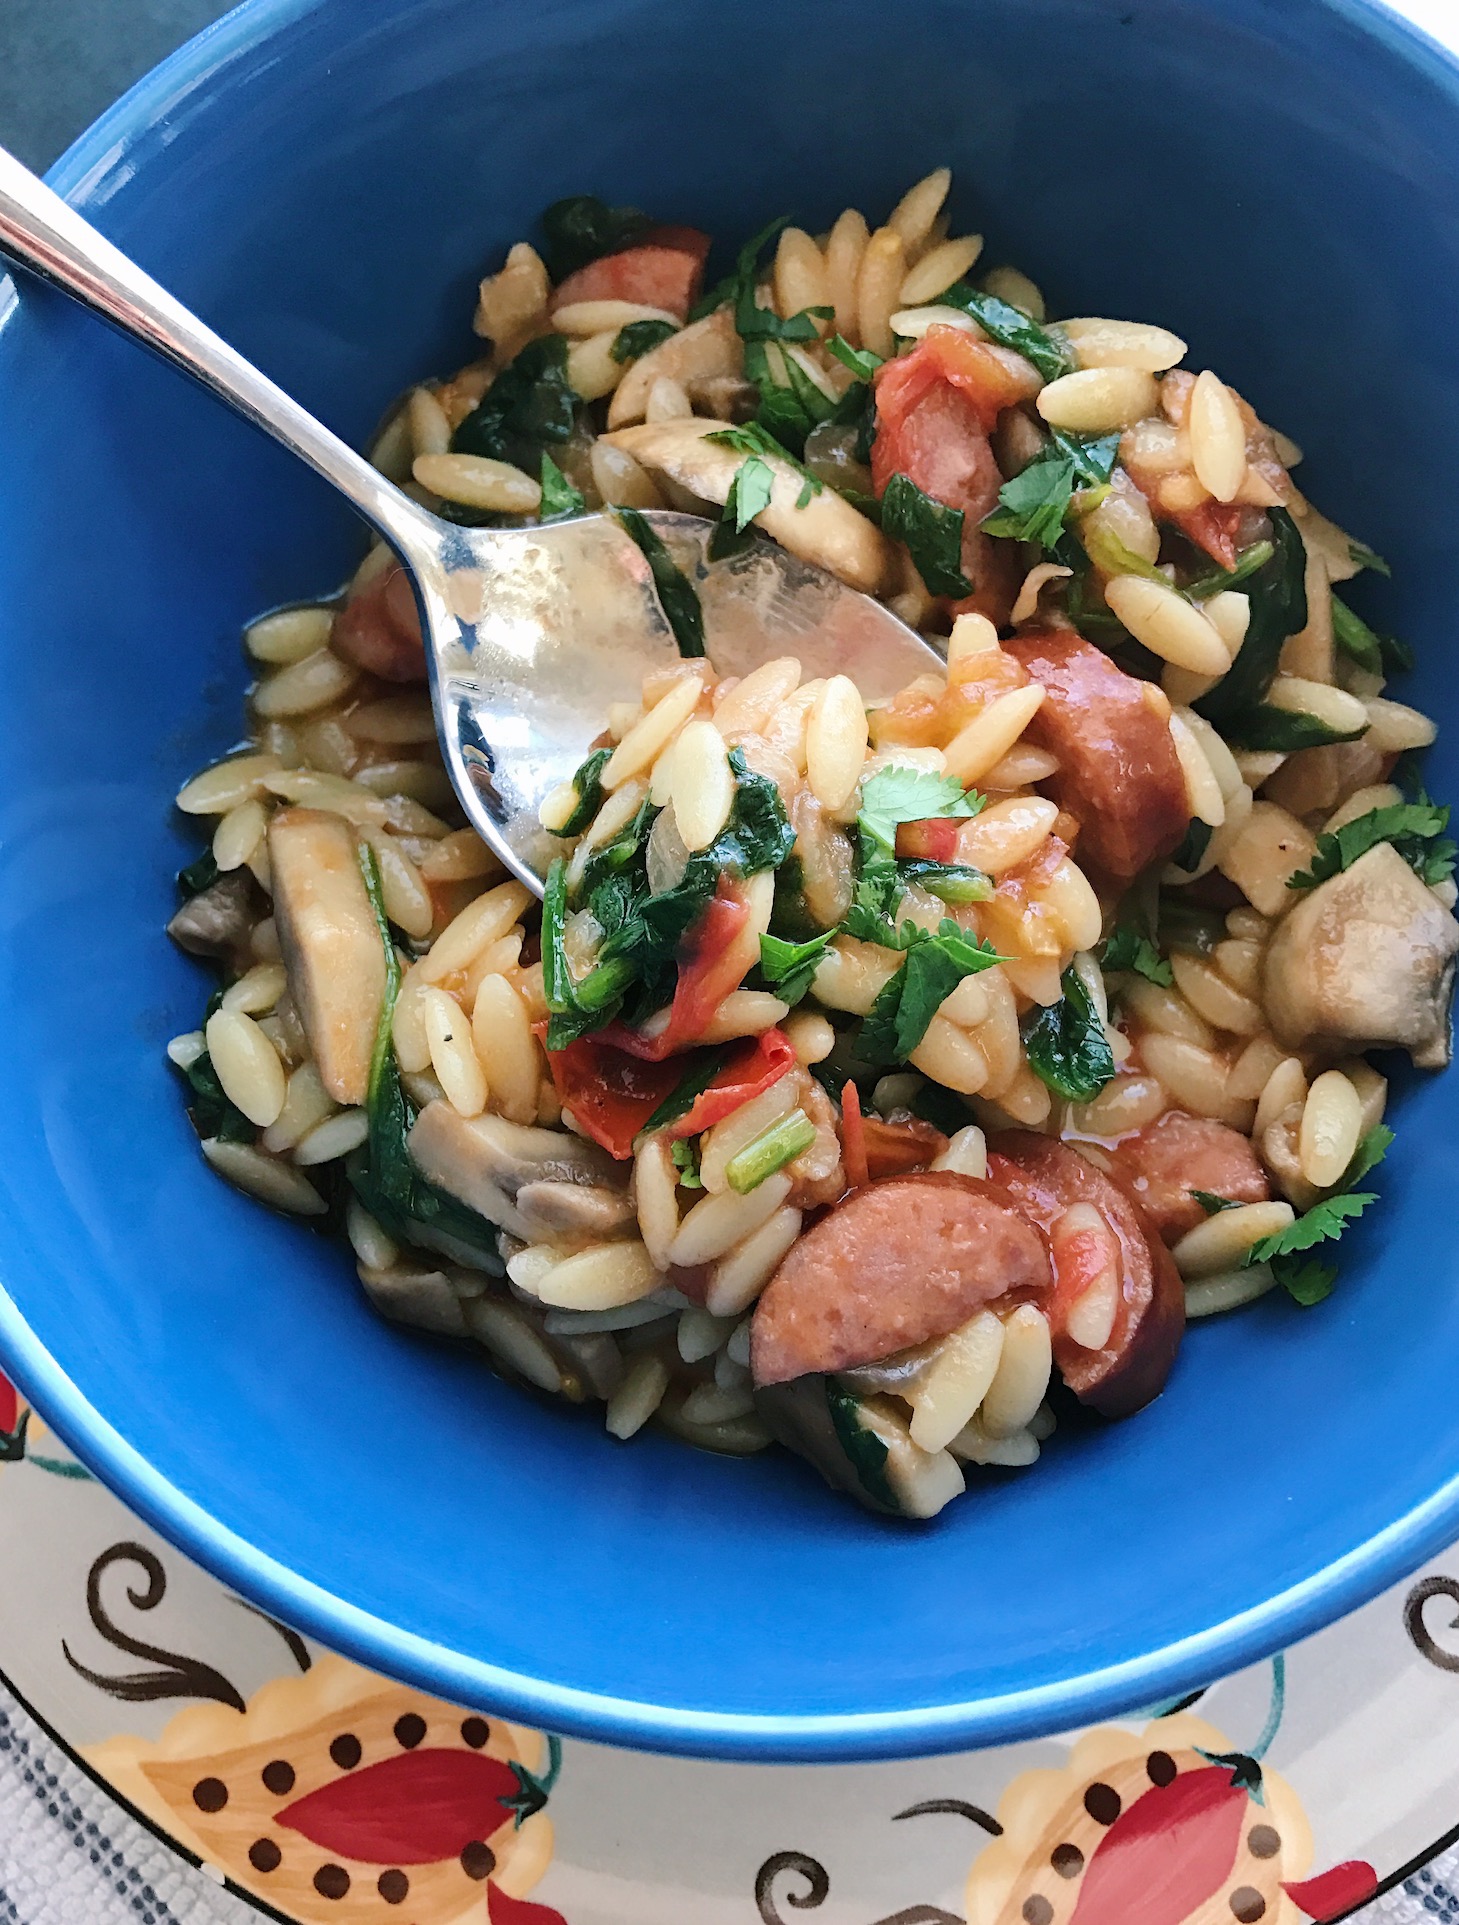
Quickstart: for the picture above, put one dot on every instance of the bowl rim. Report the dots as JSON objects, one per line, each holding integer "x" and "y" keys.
{"x": 80, "y": 175}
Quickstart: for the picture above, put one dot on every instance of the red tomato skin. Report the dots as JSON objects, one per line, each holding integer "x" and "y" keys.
{"x": 931, "y": 840}
{"x": 748, "y": 1074}
{"x": 378, "y": 629}
{"x": 650, "y": 274}
{"x": 610, "y": 1092}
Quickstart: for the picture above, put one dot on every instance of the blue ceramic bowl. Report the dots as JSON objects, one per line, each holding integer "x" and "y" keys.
{"x": 324, "y": 180}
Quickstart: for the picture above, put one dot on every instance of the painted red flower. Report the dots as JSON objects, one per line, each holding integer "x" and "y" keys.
{"x": 9, "y": 1405}
{"x": 416, "y": 1809}
{"x": 501, "y": 1909}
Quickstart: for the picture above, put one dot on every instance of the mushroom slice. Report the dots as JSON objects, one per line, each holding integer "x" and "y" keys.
{"x": 492, "y": 1166}
{"x": 557, "y": 1212}
{"x": 827, "y": 530}
{"x": 1365, "y": 959}
{"x": 330, "y": 943}
{"x": 219, "y": 919}
{"x": 707, "y": 350}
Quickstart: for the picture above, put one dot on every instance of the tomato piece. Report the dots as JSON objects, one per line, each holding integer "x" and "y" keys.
{"x": 610, "y": 1092}
{"x": 755, "y": 1065}
{"x": 897, "y": 1149}
{"x": 940, "y": 443}
{"x": 378, "y": 629}
{"x": 931, "y": 840}
{"x": 1216, "y": 527}
{"x": 853, "y": 1137}
{"x": 986, "y": 376}
{"x": 657, "y": 274}
{"x": 713, "y": 961}
{"x": 685, "y": 240}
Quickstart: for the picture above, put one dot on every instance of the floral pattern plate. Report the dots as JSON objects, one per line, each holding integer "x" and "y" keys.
{"x": 1297, "y": 1790}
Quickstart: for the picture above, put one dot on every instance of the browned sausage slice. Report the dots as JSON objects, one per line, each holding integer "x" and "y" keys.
{"x": 378, "y": 629}
{"x": 1045, "y": 1178}
{"x": 894, "y": 1264}
{"x": 1178, "y": 1154}
{"x": 1118, "y": 770}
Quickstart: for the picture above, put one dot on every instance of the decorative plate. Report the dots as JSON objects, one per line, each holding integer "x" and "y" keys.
{"x": 1296, "y": 1790}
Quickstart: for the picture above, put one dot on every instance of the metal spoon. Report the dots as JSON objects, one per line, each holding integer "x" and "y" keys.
{"x": 530, "y": 632}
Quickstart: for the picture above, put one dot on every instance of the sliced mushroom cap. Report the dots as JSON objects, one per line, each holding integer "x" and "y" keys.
{"x": 859, "y": 1445}
{"x": 827, "y": 531}
{"x": 1366, "y": 959}
{"x": 568, "y": 1211}
{"x": 330, "y": 943}
{"x": 218, "y": 920}
{"x": 706, "y": 351}
{"x": 488, "y": 1163}
{"x": 421, "y": 1298}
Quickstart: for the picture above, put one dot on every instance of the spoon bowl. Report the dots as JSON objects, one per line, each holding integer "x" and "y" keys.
{"x": 531, "y": 634}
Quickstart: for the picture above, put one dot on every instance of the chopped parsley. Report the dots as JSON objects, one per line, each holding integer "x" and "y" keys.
{"x": 932, "y": 532}
{"x": 905, "y": 1006}
{"x": 686, "y": 1161}
{"x": 790, "y": 967}
{"x": 1416, "y": 830}
{"x": 861, "y": 361}
{"x": 749, "y": 495}
{"x": 1214, "y": 1205}
{"x": 1034, "y": 504}
{"x": 678, "y": 597}
{"x": 1066, "y": 1044}
{"x": 559, "y": 497}
{"x": 1309, "y": 1282}
{"x": 1127, "y": 949}
{"x": 751, "y": 438}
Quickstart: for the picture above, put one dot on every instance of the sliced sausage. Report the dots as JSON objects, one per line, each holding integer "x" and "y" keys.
{"x": 1044, "y": 1178}
{"x": 1118, "y": 769}
{"x": 663, "y": 272}
{"x": 894, "y": 1264}
{"x": 378, "y": 629}
{"x": 1178, "y": 1154}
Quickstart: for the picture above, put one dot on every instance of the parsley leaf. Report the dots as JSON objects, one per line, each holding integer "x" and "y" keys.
{"x": 1033, "y": 505}
{"x": 1368, "y": 1155}
{"x": 749, "y": 495}
{"x": 678, "y": 597}
{"x": 583, "y": 228}
{"x": 935, "y": 965}
{"x": 586, "y": 780}
{"x": 637, "y": 337}
{"x": 932, "y": 531}
{"x": 1010, "y": 327}
{"x": 1066, "y": 1045}
{"x": 1320, "y": 1224}
{"x": 790, "y": 967}
{"x": 1416, "y": 830}
{"x": 686, "y": 1161}
{"x": 751, "y": 438}
{"x": 1310, "y": 1282}
{"x": 559, "y": 497}
{"x": 903, "y": 793}
{"x": 1128, "y": 949}
{"x": 529, "y": 403}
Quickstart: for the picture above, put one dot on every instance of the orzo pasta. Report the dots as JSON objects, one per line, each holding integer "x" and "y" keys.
{"x": 870, "y": 1079}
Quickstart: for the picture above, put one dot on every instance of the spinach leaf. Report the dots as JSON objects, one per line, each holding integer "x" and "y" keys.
{"x": 933, "y": 534}
{"x": 637, "y": 337}
{"x": 1249, "y": 562}
{"x": 583, "y": 228}
{"x": 215, "y": 1113}
{"x": 1265, "y": 726}
{"x": 935, "y": 965}
{"x": 381, "y": 1172}
{"x": 1278, "y": 595}
{"x": 1127, "y": 949}
{"x": 680, "y": 1100}
{"x": 1379, "y": 654}
{"x": 861, "y": 361}
{"x": 559, "y": 497}
{"x": 1416, "y": 830}
{"x": 792, "y": 406}
{"x": 529, "y": 403}
{"x": 678, "y": 597}
{"x": 953, "y": 882}
{"x": 1066, "y": 1045}
{"x": 199, "y": 875}
{"x": 588, "y": 783}
{"x": 865, "y": 1451}
{"x": 790, "y": 967}
{"x": 1193, "y": 846}
{"x": 1010, "y": 327}
{"x": 726, "y": 292}
{"x": 1034, "y": 504}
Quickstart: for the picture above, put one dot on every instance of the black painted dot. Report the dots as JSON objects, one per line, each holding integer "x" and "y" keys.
{"x": 478, "y": 1861}
{"x": 332, "y": 1881}
{"x": 1247, "y": 1904}
{"x": 409, "y": 1731}
{"x": 393, "y": 1887}
{"x": 475, "y": 1732}
{"x": 210, "y": 1794}
{"x": 1067, "y": 1860}
{"x": 346, "y": 1751}
{"x": 1160, "y": 1768}
{"x": 1263, "y": 1842}
{"x": 1102, "y": 1802}
{"x": 264, "y": 1855}
{"x": 278, "y": 1776}
{"x": 1037, "y": 1911}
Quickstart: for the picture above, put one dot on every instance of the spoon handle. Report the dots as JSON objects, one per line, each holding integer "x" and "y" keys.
{"x": 42, "y": 233}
